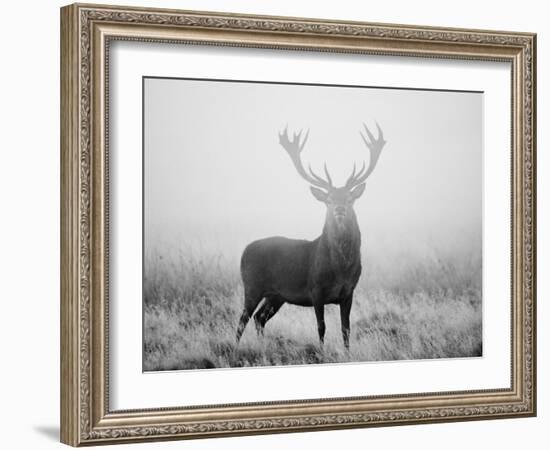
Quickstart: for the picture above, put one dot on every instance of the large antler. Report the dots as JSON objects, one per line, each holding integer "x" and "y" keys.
{"x": 375, "y": 146}
{"x": 294, "y": 148}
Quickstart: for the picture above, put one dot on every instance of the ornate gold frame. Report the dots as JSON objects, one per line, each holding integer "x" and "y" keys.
{"x": 86, "y": 31}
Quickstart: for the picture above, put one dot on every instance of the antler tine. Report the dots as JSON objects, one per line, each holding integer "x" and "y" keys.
{"x": 294, "y": 148}
{"x": 354, "y": 175}
{"x": 327, "y": 175}
{"x": 369, "y": 134}
{"x": 380, "y": 134}
{"x": 320, "y": 179}
{"x": 375, "y": 146}
{"x": 305, "y": 139}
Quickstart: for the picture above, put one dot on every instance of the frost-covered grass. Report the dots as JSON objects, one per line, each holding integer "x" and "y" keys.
{"x": 428, "y": 308}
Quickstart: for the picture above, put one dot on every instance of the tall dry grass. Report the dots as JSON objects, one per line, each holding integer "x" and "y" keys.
{"x": 413, "y": 309}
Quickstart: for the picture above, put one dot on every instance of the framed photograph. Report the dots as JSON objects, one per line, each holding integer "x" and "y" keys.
{"x": 274, "y": 224}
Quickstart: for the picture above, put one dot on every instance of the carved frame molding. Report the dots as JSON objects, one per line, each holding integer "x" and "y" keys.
{"x": 86, "y": 31}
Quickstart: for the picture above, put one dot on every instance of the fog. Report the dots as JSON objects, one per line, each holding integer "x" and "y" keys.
{"x": 216, "y": 178}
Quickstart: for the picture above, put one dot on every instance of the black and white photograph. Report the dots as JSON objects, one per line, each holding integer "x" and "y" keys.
{"x": 295, "y": 224}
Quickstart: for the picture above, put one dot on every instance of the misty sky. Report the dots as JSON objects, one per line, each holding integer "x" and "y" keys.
{"x": 216, "y": 176}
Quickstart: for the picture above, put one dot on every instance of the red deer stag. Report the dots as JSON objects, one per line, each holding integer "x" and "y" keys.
{"x": 310, "y": 273}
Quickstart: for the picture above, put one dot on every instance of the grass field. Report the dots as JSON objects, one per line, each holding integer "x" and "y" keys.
{"x": 426, "y": 309}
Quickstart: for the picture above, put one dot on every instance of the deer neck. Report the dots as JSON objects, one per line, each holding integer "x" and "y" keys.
{"x": 343, "y": 241}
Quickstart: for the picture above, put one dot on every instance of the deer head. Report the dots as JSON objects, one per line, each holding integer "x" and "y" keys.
{"x": 339, "y": 200}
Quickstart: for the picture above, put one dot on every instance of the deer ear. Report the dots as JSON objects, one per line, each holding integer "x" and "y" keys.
{"x": 358, "y": 191}
{"x": 319, "y": 194}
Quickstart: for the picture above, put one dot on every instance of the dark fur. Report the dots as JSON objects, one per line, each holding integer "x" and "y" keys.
{"x": 305, "y": 273}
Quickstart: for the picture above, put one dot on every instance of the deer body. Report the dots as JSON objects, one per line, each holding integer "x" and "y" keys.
{"x": 294, "y": 269}
{"x": 309, "y": 273}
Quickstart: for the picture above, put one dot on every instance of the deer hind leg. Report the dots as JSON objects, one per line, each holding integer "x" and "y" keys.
{"x": 269, "y": 308}
{"x": 251, "y": 301}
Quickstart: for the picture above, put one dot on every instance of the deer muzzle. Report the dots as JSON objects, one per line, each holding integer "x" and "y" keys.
{"x": 340, "y": 213}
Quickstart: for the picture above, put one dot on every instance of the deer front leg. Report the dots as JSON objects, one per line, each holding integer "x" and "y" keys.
{"x": 320, "y": 316}
{"x": 345, "y": 309}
